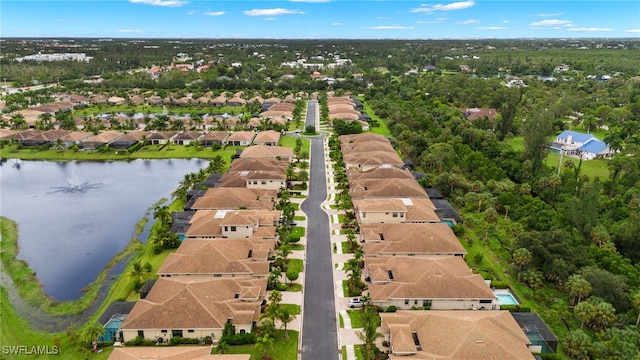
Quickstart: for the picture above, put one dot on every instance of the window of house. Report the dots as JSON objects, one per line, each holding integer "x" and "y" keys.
{"x": 217, "y": 275}
{"x": 401, "y": 215}
{"x": 176, "y": 333}
{"x": 163, "y": 331}
{"x": 485, "y": 301}
{"x": 226, "y": 228}
{"x": 263, "y": 182}
{"x": 233, "y": 228}
{"x": 426, "y": 303}
{"x": 395, "y": 214}
{"x": 415, "y": 302}
{"x": 242, "y": 331}
{"x": 141, "y": 333}
{"x": 190, "y": 331}
{"x": 406, "y": 302}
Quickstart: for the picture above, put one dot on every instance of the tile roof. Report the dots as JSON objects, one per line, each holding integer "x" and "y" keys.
{"x": 425, "y": 277}
{"x": 372, "y": 158}
{"x": 229, "y": 198}
{"x": 455, "y": 335}
{"x": 209, "y": 222}
{"x": 380, "y": 172}
{"x": 379, "y": 188}
{"x": 269, "y": 136}
{"x": 241, "y": 136}
{"x": 430, "y": 238}
{"x": 219, "y": 256}
{"x": 264, "y": 151}
{"x": 195, "y": 303}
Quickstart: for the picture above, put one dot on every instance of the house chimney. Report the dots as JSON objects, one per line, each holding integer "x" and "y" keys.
{"x": 569, "y": 139}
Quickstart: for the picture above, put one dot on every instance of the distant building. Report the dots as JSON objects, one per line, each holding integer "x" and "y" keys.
{"x": 575, "y": 143}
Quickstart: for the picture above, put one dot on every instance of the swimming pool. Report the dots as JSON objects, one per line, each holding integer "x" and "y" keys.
{"x": 507, "y": 299}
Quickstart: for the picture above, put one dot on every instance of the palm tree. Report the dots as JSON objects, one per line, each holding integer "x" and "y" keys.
{"x": 91, "y": 332}
{"x": 283, "y": 253}
{"x": 369, "y": 332}
{"x": 216, "y": 164}
{"x": 285, "y": 317}
{"x": 522, "y": 257}
{"x": 139, "y": 273}
{"x": 264, "y": 342}
{"x": 578, "y": 288}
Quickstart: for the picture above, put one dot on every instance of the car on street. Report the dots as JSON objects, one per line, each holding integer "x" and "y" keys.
{"x": 355, "y": 303}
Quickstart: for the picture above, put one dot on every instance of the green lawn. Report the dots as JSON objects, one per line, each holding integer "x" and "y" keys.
{"x": 295, "y": 265}
{"x": 281, "y": 349}
{"x": 345, "y": 247}
{"x": 592, "y": 168}
{"x": 345, "y": 288}
{"x": 382, "y": 129}
{"x": 299, "y": 218}
{"x": 297, "y": 231}
{"x": 294, "y": 287}
{"x": 356, "y": 318}
{"x": 295, "y": 246}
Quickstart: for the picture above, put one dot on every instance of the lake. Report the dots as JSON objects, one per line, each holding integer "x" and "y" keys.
{"x": 74, "y": 217}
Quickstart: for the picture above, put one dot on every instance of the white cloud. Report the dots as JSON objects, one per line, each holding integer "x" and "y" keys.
{"x": 270, "y": 19}
{"x": 633, "y": 31}
{"x": 390, "y": 27}
{"x": 310, "y": 1}
{"x": 214, "y": 13}
{"x": 129, "y": 31}
{"x": 467, "y": 22}
{"x": 337, "y": 24}
{"x": 440, "y": 7}
{"x": 506, "y": 21}
{"x": 591, "y": 29}
{"x": 552, "y": 22}
{"x": 549, "y": 15}
{"x": 170, "y": 3}
{"x": 492, "y": 28}
{"x": 271, "y": 12}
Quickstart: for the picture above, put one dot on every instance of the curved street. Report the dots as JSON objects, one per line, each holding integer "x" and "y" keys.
{"x": 319, "y": 327}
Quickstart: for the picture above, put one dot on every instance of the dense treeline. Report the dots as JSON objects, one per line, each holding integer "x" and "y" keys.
{"x": 566, "y": 223}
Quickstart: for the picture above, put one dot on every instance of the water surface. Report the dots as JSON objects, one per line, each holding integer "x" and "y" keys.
{"x": 74, "y": 217}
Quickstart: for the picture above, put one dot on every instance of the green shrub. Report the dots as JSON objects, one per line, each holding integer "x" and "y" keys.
{"x": 239, "y": 339}
{"x": 177, "y": 340}
{"x": 391, "y": 309}
{"x": 293, "y": 238}
{"x": 140, "y": 341}
{"x": 499, "y": 285}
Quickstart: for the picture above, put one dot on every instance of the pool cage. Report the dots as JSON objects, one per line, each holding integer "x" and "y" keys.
{"x": 537, "y": 331}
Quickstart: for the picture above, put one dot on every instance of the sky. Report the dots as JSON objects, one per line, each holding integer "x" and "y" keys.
{"x": 321, "y": 19}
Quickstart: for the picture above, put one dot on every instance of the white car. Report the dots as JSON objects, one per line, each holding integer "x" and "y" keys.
{"x": 355, "y": 303}
{"x": 298, "y": 131}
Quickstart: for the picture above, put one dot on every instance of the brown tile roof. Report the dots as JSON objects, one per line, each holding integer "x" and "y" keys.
{"x": 195, "y": 303}
{"x": 478, "y": 113}
{"x": 253, "y": 164}
{"x": 455, "y": 335}
{"x": 188, "y": 135}
{"x": 344, "y": 115}
{"x": 105, "y": 137}
{"x": 239, "y": 179}
{"x": 161, "y": 135}
{"x": 216, "y": 135}
{"x": 425, "y": 277}
{"x": 381, "y": 172}
{"x": 171, "y": 353}
{"x": 264, "y": 151}
{"x": 372, "y": 158}
{"x": 50, "y": 135}
{"x": 228, "y": 198}
{"x": 219, "y": 256}
{"x": 7, "y": 134}
{"x": 379, "y": 188}
{"x": 362, "y": 138}
{"x": 76, "y": 136}
{"x": 241, "y": 136}
{"x": 366, "y": 146}
{"x": 134, "y": 136}
{"x": 429, "y": 239}
{"x": 269, "y": 136}
{"x": 209, "y": 223}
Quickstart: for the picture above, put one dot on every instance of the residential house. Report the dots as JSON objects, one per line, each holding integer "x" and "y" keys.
{"x": 235, "y": 198}
{"x": 233, "y": 224}
{"x": 437, "y": 282}
{"x": 259, "y": 179}
{"x": 241, "y": 138}
{"x": 454, "y": 335}
{"x": 236, "y": 101}
{"x": 410, "y": 239}
{"x": 116, "y": 100}
{"x": 574, "y": 143}
{"x": 365, "y": 161}
{"x": 30, "y": 116}
{"x": 161, "y": 137}
{"x": 269, "y": 137}
{"x": 75, "y": 138}
{"x": 366, "y": 147}
{"x": 380, "y": 172}
{"x": 256, "y": 164}
{"x": 386, "y": 188}
{"x": 214, "y": 137}
{"x": 271, "y": 152}
{"x": 479, "y": 113}
{"x": 195, "y": 307}
{"x": 128, "y": 140}
{"x": 246, "y": 257}
{"x": 395, "y": 210}
{"x": 365, "y": 137}
{"x": 48, "y": 137}
{"x": 187, "y": 137}
{"x": 102, "y": 139}
{"x": 171, "y": 353}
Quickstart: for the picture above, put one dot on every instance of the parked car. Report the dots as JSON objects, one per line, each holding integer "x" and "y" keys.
{"x": 355, "y": 303}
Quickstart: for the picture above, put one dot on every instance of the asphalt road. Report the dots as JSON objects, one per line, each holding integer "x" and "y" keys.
{"x": 319, "y": 328}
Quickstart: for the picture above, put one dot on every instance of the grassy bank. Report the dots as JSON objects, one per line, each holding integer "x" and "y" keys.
{"x": 26, "y": 281}
{"x": 146, "y": 152}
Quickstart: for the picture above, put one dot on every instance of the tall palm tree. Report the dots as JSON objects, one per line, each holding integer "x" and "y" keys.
{"x": 285, "y": 318}
{"x": 369, "y": 332}
{"x": 139, "y": 273}
{"x": 264, "y": 342}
